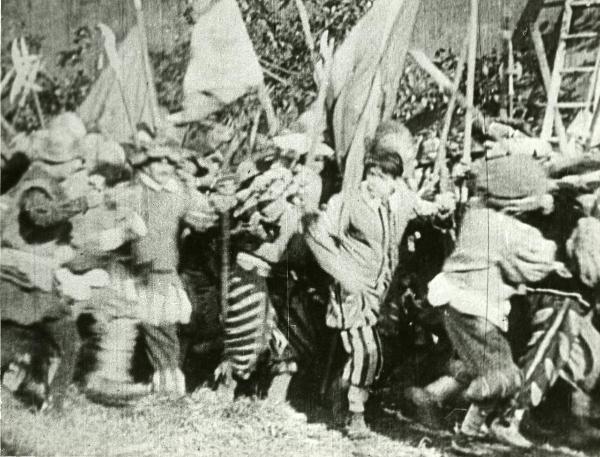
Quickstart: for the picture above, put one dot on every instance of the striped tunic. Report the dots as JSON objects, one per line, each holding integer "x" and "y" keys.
{"x": 248, "y": 320}
{"x": 362, "y": 258}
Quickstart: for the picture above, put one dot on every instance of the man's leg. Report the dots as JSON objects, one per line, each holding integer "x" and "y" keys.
{"x": 162, "y": 348}
{"x": 65, "y": 334}
{"x": 282, "y": 365}
{"x": 360, "y": 372}
{"x": 111, "y": 382}
{"x": 429, "y": 400}
{"x": 487, "y": 358}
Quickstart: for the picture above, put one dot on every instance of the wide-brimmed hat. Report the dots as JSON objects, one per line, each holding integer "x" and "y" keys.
{"x": 511, "y": 177}
{"x": 58, "y": 145}
{"x": 69, "y": 121}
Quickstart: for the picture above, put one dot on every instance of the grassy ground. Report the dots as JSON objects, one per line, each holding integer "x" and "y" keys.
{"x": 205, "y": 424}
{"x": 202, "y": 424}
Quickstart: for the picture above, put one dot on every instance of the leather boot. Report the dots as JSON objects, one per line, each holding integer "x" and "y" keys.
{"x": 357, "y": 427}
{"x": 277, "y": 397}
{"x": 428, "y": 401}
{"x": 507, "y": 432}
{"x": 170, "y": 382}
{"x": 279, "y": 387}
{"x": 474, "y": 421}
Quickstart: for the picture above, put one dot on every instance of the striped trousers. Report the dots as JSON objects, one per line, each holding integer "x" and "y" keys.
{"x": 365, "y": 358}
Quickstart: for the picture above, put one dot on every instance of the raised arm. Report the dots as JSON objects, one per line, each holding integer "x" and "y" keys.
{"x": 527, "y": 256}
{"x": 405, "y": 199}
{"x": 322, "y": 236}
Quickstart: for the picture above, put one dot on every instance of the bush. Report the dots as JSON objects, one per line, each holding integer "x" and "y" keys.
{"x": 276, "y": 32}
{"x": 63, "y": 89}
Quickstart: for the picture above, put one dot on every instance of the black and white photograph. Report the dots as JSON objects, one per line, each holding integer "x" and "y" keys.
{"x": 313, "y": 228}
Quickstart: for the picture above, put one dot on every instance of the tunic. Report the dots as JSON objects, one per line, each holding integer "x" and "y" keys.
{"x": 495, "y": 254}
{"x": 364, "y": 256}
{"x": 151, "y": 285}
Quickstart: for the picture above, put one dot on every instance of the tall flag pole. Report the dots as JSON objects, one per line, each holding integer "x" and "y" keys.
{"x": 471, "y": 80}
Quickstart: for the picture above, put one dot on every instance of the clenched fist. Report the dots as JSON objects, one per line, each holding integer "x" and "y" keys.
{"x": 584, "y": 248}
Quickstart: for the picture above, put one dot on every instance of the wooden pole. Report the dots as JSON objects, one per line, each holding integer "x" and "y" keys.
{"x": 593, "y": 126}
{"x": 226, "y": 230}
{"x": 556, "y": 78}
{"x": 310, "y": 42}
{"x": 473, "y": 29}
{"x": 540, "y": 51}
{"x": 507, "y": 37}
{"x": 593, "y": 99}
{"x": 154, "y": 113}
{"x": 254, "y": 131}
{"x": 446, "y": 84}
{"x": 276, "y": 77}
{"x": 7, "y": 126}
{"x": 441, "y": 166}
{"x": 319, "y": 118}
{"x": 265, "y": 101}
{"x": 225, "y": 238}
{"x": 38, "y": 109}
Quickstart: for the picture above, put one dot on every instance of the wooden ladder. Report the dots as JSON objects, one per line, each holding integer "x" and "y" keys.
{"x": 567, "y": 35}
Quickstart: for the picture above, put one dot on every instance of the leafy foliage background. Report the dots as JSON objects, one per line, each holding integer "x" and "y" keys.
{"x": 275, "y": 30}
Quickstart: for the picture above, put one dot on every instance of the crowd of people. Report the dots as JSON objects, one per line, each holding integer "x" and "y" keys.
{"x": 250, "y": 265}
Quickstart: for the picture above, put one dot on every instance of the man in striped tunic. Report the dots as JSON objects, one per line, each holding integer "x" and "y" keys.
{"x": 362, "y": 258}
{"x": 252, "y": 334}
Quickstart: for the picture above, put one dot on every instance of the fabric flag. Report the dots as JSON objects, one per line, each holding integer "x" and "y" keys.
{"x": 104, "y": 107}
{"x": 364, "y": 83}
{"x": 223, "y": 64}
{"x": 564, "y": 344}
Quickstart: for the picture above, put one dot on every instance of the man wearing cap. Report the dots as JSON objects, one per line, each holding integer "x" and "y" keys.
{"x": 362, "y": 257}
{"x": 165, "y": 205}
{"x": 577, "y": 235}
{"x": 495, "y": 256}
{"x": 35, "y": 242}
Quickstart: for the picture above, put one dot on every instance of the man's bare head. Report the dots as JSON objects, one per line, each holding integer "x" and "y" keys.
{"x": 393, "y": 136}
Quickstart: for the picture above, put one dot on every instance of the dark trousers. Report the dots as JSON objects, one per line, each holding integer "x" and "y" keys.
{"x": 66, "y": 336}
{"x": 161, "y": 345}
{"x": 486, "y": 366}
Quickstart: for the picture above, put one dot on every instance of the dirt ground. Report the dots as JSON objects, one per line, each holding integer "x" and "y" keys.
{"x": 205, "y": 424}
